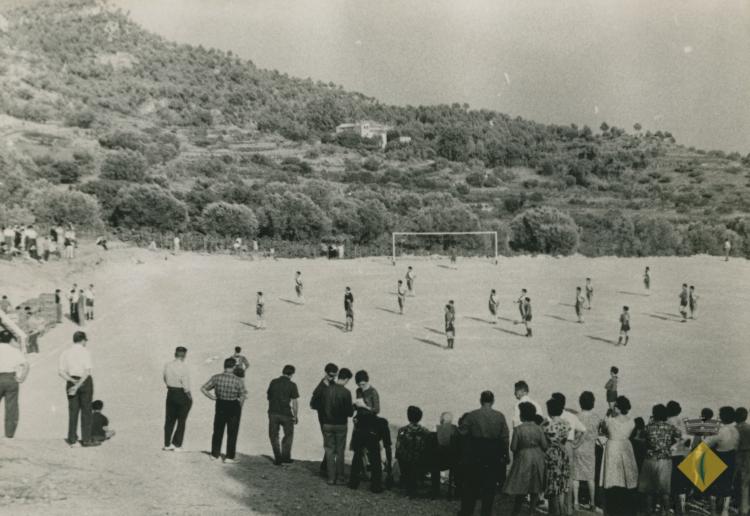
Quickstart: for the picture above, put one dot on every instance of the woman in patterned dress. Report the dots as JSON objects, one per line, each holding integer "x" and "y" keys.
{"x": 527, "y": 472}
{"x": 619, "y": 471}
{"x": 585, "y": 454}
{"x": 557, "y": 463}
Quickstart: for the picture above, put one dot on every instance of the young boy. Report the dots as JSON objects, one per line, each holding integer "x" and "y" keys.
{"x": 579, "y": 304}
{"x": 410, "y": 277}
{"x": 89, "y": 294}
{"x": 298, "y": 287}
{"x": 647, "y": 278}
{"x": 100, "y": 430}
{"x": 624, "y": 326}
{"x": 260, "y": 312}
{"x": 349, "y": 309}
{"x": 401, "y": 295}
{"x": 450, "y": 327}
{"x": 684, "y": 301}
{"x": 520, "y": 301}
{"x": 693, "y": 302}
{"x": 493, "y": 303}
{"x": 526, "y": 315}
{"x": 589, "y": 293}
{"x": 411, "y": 442}
{"x": 611, "y": 387}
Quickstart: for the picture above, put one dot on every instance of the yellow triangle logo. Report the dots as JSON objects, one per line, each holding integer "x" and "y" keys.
{"x": 702, "y": 467}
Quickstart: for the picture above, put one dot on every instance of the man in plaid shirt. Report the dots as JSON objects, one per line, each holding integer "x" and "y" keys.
{"x": 229, "y": 393}
{"x": 656, "y": 473}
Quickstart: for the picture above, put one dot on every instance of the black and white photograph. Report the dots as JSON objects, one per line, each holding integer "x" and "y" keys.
{"x": 424, "y": 258}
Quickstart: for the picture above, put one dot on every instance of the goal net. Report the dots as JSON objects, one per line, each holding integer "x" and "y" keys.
{"x": 447, "y": 243}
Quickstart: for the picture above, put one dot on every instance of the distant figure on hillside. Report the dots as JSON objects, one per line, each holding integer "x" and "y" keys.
{"x": 100, "y": 430}
{"x": 693, "y": 302}
{"x": 176, "y": 244}
{"x": 411, "y": 277}
{"x": 727, "y": 249}
{"x": 58, "y": 306}
{"x": 89, "y": 296}
{"x": 179, "y": 400}
{"x": 237, "y": 246}
{"x": 589, "y": 293}
{"x": 492, "y": 305}
{"x": 102, "y": 242}
{"x": 453, "y": 257}
{"x": 624, "y": 326}
{"x": 5, "y": 305}
{"x": 260, "y": 311}
{"x": 684, "y": 301}
{"x": 349, "y": 309}
{"x": 647, "y": 278}
{"x": 298, "y": 286}
{"x": 401, "y": 296}
{"x": 579, "y": 302}
{"x": 70, "y": 242}
{"x": 450, "y": 325}
{"x": 520, "y": 301}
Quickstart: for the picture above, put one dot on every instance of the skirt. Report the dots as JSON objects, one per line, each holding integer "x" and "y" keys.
{"x": 655, "y": 477}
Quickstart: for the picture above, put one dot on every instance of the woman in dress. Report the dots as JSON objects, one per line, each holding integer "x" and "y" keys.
{"x": 557, "y": 462}
{"x": 585, "y": 454}
{"x": 527, "y": 472}
{"x": 619, "y": 472}
{"x": 724, "y": 444}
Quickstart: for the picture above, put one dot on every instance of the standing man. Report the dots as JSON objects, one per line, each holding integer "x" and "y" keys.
{"x": 579, "y": 304}
{"x": 179, "y": 400}
{"x": 484, "y": 455}
{"x": 349, "y": 309}
{"x": 450, "y": 326}
{"x": 337, "y": 409}
{"x": 58, "y": 306}
{"x": 229, "y": 394}
{"x": 298, "y": 287}
{"x": 316, "y": 403}
{"x": 684, "y": 300}
{"x": 526, "y": 316}
{"x": 401, "y": 296}
{"x": 727, "y": 249}
{"x": 282, "y": 396}
{"x": 13, "y": 370}
{"x": 411, "y": 276}
{"x": 493, "y": 304}
{"x": 75, "y": 367}
{"x": 242, "y": 363}
{"x": 520, "y": 302}
{"x": 260, "y": 311}
{"x": 692, "y": 301}
{"x": 89, "y": 295}
{"x": 589, "y": 293}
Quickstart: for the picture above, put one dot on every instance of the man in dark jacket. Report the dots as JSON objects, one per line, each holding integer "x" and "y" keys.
{"x": 484, "y": 454}
{"x": 337, "y": 409}
{"x": 316, "y": 403}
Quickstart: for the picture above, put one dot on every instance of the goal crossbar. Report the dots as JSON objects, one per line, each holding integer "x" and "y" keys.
{"x": 438, "y": 233}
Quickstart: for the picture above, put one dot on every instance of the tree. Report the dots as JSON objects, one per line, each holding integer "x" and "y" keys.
{"x": 292, "y": 216}
{"x": 604, "y": 127}
{"x": 231, "y": 220}
{"x": 656, "y": 237}
{"x": 637, "y": 127}
{"x": 373, "y": 217}
{"x": 149, "y": 206}
{"x": 124, "y": 165}
{"x": 453, "y": 144}
{"x": 52, "y": 206}
{"x": 544, "y": 230}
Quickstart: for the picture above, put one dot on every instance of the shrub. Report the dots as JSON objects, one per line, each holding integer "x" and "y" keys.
{"x": 231, "y": 220}
{"x": 149, "y": 206}
{"x": 83, "y": 119}
{"x": 292, "y": 216}
{"x": 124, "y": 165}
{"x": 656, "y": 237}
{"x": 372, "y": 164}
{"x": 52, "y": 206}
{"x": 703, "y": 238}
{"x": 544, "y": 230}
{"x": 106, "y": 191}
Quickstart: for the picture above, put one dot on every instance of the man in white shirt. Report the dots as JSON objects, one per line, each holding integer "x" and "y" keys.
{"x": 13, "y": 371}
{"x": 179, "y": 400}
{"x": 521, "y": 391}
{"x": 577, "y": 429}
{"x": 75, "y": 368}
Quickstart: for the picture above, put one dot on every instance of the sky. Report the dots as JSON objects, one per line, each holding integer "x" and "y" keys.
{"x": 676, "y": 65}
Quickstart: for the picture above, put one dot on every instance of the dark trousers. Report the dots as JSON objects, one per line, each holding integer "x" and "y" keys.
{"x": 178, "y": 407}
{"x": 80, "y": 403}
{"x": 276, "y": 421}
{"x": 481, "y": 484}
{"x": 410, "y": 477}
{"x": 369, "y": 444}
{"x": 9, "y": 393}
{"x": 334, "y": 442}
{"x": 227, "y": 415}
{"x": 58, "y": 312}
{"x": 32, "y": 346}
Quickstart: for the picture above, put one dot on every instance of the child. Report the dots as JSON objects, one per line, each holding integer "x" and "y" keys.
{"x": 647, "y": 278}
{"x": 446, "y": 454}
{"x": 692, "y": 302}
{"x": 624, "y": 326}
{"x": 100, "y": 430}
{"x": 493, "y": 303}
{"x": 349, "y": 309}
{"x": 611, "y": 387}
{"x": 579, "y": 304}
{"x": 89, "y": 294}
{"x": 589, "y": 293}
{"x": 410, "y": 277}
{"x": 410, "y": 446}
{"x": 526, "y": 315}
{"x": 520, "y": 302}
{"x": 260, "y": 310}
{"x": 401, "y": 294}
{"x": 450, "y": 326}
{"x": 298, "y": 287}
{"x": 684, "y": 301}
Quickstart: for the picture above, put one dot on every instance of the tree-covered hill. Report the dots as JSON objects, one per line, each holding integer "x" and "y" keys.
{"x": 104, "y": 122}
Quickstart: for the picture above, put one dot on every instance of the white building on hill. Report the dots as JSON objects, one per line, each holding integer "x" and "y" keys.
{"x": 367, "y": 129}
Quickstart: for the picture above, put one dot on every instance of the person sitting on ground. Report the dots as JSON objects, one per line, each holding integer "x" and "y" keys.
{"x": 410, "y": 446}
{"x": 100, "y": 430}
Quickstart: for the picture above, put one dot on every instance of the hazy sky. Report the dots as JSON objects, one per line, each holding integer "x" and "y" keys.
{"x": 679, "y": 65}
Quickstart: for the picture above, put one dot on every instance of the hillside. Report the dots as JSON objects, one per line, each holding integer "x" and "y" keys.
{"x": 103, "y": 122}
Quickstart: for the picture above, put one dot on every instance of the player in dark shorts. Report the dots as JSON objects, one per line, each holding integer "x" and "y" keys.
{"x": 410, "y": 278}
{"x": 260, "y": 312}
{"x": 349, "y": 309}
{"x": 579, "y": 304}
{"x": 624, "y": 326}
{"x": 492, "y": 305}
{"x": 526, "y": 311}
{"x": 450, "y": 325}
{"x": 692, "y": 302}
{"x": 401, "y": 296}
{"x": 589, "y": 293}
{"x": 684, "y": 302}
{"x": 298, "y": 287}
{"x": 521, "y": 301}
{"x": 647, "y": 278}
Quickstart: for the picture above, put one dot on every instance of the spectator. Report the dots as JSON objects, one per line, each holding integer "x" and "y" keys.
{"x": 585, "y": 451}
{"x": 575, "y": 435}
{"x": 679, "y": 485}
{"x": 557, "y": 461}
{"x": 5, "y": 304}
{"x": 446, "y": 452}
{"x": 655, "y": 477}
{"x": 410, "y": 447}
{"x": 337, "y": 409}
{"x": 743, "y": 458}
{"x": 100, "y": 430}
{"x": 229, "y": 394}
{"x": 619, "y": 471}
{"x": 638, "y": 441}
{"x": 725, "y": 444}
{"x": 527, "y": 473}
{"x": 282, "y": 397}
{"x": 75, "y": 367}
{"x": 13, "y": 371}
{"x": 364, "y": 435}
{"x": 521, "y": 392}
{"x": 179, "y": 399}
{"x": 316, "y": 403}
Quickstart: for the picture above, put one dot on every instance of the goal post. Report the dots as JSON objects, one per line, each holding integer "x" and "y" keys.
{"x": 396, "y": 234}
